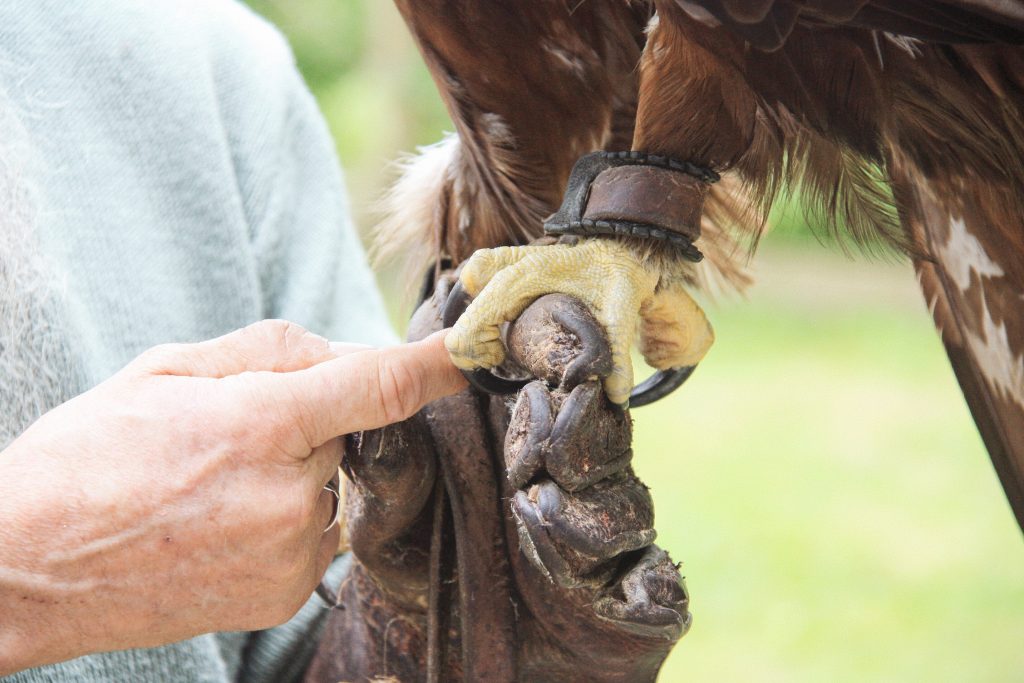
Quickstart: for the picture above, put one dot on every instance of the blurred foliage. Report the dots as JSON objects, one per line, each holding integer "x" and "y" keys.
{"x": 823, "y": 484}
{"x": 820, "y": 475}
{"x": 327, "y": 36}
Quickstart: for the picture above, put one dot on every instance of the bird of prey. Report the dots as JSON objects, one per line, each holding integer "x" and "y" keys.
{"x": 647, "y": 138}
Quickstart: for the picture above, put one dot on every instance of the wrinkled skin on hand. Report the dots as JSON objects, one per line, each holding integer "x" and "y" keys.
{"x": 544, "y": 567}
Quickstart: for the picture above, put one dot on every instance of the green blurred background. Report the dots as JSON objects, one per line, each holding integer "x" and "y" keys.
{"x": 820, "y": 476}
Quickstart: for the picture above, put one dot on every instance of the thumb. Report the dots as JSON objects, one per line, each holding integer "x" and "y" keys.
{"x": 366, "y": 389}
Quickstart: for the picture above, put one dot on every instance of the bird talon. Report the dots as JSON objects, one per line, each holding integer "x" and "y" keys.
{"x": 659, "y": 385}
{"x": 610, "y": 280}
{"x": 465, "y": 351}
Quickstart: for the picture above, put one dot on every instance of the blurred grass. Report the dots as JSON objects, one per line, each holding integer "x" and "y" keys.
{"x": 819, "y": 476}
{"x": 824, "y": 485}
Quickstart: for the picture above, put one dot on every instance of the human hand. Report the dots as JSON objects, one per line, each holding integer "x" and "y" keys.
{"x": 185, "y": 494}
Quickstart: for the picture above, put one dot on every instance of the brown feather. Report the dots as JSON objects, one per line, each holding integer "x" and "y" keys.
{"x": 852, "y": 94}
{"x": 530, "y": 88}
{"x": 973, "y": 283}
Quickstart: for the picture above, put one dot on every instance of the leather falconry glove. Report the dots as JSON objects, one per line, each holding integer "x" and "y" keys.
{"x": 501, "y": 538}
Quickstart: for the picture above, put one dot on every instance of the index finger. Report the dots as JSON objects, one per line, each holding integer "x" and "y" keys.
{"x": 366, "y": 389}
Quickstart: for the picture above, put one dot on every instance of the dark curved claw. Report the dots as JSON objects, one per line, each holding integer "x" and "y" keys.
{"x": 588, "y": 440}
{"x": 430, "y": 279}
{"x": 526, "y": 443}
{"x": 594, "y": 359}
{"x": 651, "y": 599}
{"x": 480, "y": 379}
{"x": 570, "y": 537}
{"x": 659, "y": 385}
{"x": 455, "y": 306}
{"x": 489, "y": 383}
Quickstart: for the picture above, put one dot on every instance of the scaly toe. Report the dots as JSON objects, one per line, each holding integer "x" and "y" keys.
{"x": 609, "y": 277}
{"x": 473, "y": 348}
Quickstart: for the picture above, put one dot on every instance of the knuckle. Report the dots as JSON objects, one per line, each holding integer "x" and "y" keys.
{"x": 271, "y": 327}
{"x": 400, "y": 390}
{"x": 285, "y": 335}
{"x": 159, "y": 357}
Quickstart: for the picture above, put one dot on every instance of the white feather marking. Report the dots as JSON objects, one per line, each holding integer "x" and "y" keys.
{"x": 909, "y": 45}
{"x": 1003, "y": 370}
{"x": 573, "y": 63}
{"x": 652, "y": 23}
{"x": 963, "y": 254}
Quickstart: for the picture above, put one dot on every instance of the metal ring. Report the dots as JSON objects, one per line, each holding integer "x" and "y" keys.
{"x": 334, "y": 487}
{"x": 323, "y": 590}
{"x": 656, "y": 387}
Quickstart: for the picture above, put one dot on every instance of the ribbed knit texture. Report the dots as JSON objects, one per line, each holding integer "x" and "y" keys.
{"x": 183, "y": 185}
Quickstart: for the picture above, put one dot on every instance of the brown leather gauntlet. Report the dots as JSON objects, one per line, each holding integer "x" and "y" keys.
{"x": 506, "y": 540}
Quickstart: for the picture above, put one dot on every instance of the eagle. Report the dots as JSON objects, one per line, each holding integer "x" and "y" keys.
{"x": 624, "y": 151}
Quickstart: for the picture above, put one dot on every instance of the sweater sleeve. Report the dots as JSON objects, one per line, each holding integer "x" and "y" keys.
{"x": 310, "y": 263}
{"x": 313, "y": 266}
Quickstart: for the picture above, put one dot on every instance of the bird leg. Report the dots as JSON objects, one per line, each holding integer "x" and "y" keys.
{"x": 639, "y": 219}
{"x": 609, "y": 276}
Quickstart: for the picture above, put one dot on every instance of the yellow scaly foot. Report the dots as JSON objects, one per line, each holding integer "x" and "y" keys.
{"x": 620, "y": 287}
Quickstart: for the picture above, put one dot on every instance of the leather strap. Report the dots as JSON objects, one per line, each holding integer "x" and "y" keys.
{"x": 633, "y": 194}
{"x": 648, "y": 195}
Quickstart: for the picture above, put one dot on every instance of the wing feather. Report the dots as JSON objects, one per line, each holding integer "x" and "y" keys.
{"x": 973, "y": 282}
{"x": 767, "y": 24}
{"x": 530, "y": 87}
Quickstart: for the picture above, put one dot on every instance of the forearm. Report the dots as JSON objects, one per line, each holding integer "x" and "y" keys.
{"x": 131, "y": 515}
{"x": 36, "y": 626}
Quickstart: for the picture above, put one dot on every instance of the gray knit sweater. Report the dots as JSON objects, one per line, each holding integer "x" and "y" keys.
{"x": 164, "y": 176}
